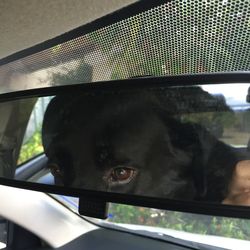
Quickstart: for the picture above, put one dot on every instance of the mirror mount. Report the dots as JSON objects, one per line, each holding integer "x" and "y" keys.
{"x": 91, "y": 207}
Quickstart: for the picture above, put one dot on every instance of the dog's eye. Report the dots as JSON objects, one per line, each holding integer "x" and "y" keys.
{"x": 55, "y": 170}
{"x": 121, "y": 175}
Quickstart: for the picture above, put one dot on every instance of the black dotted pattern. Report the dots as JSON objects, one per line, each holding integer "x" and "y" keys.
{"x": 179, "y": 37}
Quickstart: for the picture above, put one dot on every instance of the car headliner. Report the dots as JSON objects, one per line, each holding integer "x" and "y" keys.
{"x": 25, "y": 23}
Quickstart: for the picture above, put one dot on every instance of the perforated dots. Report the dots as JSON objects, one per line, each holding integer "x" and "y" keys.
{"x": 178, "y": 37}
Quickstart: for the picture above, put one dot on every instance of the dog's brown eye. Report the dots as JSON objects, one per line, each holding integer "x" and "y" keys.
{"x": 121, "y": 175}
{"x": 55, "y": 170}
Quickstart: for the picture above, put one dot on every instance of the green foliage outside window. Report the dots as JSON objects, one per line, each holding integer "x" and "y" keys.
{"x": 31, "y": 148}
{"x": 192, "y": 223}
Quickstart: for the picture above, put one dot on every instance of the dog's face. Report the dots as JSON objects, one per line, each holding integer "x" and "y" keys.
{"x": 123, "y": 144}
{"x": 122, "y": 148}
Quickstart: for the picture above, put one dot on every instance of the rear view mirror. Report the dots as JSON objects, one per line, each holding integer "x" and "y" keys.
{"x": 179, "y": 146}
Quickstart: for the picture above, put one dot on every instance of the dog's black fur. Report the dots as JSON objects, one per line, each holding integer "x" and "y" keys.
{"x": 88, "y": 135}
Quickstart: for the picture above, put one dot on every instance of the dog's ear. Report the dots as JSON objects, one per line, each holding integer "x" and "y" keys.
{"x": 202, "y": 150}
{"x": 195, "y": 141}
{"x": 213, "y": 166}
{"x": 198, "y": 169}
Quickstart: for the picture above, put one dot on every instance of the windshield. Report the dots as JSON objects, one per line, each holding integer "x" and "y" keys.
{"x": 211, "y": 230}
{"x": 167, "y": 38}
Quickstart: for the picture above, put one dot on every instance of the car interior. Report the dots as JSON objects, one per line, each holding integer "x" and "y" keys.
{"x": 124, "y": 124}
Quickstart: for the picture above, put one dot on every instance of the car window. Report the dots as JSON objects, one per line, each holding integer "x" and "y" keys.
{"x": 231, "y": 126}
{"x": 32, "y": 142}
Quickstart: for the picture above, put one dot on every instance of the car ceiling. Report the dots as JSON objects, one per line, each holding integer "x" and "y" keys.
{"x": 25, "y": 23}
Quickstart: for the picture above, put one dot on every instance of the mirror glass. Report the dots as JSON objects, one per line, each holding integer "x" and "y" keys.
{"x": 182, "y": 143}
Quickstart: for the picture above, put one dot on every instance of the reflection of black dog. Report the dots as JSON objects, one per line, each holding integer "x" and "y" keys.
{"x": 130, "y": 143}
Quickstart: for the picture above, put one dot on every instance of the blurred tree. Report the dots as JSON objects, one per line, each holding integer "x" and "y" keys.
{"x": 31, "y": 148}
{"x": 193, "y": 223}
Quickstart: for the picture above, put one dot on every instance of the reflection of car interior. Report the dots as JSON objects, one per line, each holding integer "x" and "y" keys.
{"x": 37, "y": 173}
{"x": 202, "y": 103}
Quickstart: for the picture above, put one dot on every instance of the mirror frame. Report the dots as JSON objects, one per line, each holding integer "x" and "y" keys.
{"x": 135, "y": 83}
